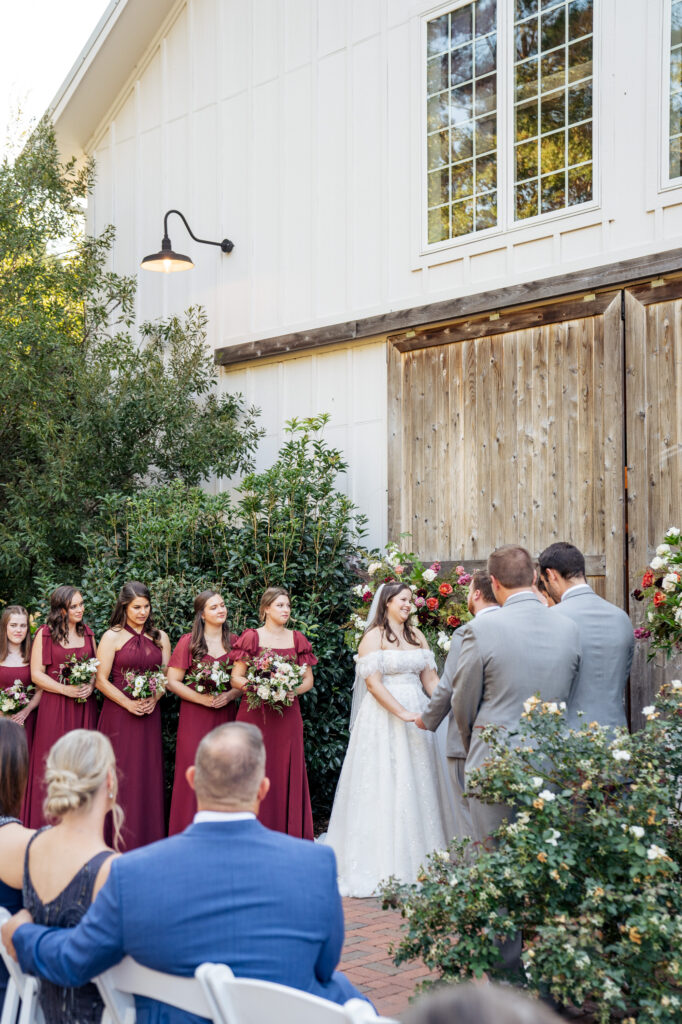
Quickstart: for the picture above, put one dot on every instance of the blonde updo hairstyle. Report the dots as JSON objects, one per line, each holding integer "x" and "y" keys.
{"x": 76, "y": 769}
{"x": 270, "y": 595}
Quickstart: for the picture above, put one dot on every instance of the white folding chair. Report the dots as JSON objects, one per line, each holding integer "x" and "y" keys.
{"x": 247, "y": 1001}
{"x": 120, "y": 984}
{"x": 22, "y": 989}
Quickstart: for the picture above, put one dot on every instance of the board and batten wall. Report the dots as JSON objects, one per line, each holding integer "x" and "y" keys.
{"x": 295, "y": 128}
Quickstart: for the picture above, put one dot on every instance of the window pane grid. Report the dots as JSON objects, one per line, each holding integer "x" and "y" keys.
{"x": 552, "y": 105}
{"x": 675, "y": 132}
{"x": 462, "y": 121}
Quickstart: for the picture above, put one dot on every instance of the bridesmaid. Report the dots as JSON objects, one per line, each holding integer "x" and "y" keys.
{"x": 133, "y": 643}
{"x": 209, "y": 642}
{"x": 287, "y": 807}
{"x": 15, "y": 656}
{"x": 62, "y": 707}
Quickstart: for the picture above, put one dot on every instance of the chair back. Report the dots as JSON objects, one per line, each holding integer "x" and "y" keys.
{"x": 248, "y": 1001}
{"x": 120, "y": 984}
{"x": 22, "y": 989}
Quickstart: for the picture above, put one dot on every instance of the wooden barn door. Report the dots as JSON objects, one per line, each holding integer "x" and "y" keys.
{"x": 509, "y": 429}
{"x": 653, "y": 319}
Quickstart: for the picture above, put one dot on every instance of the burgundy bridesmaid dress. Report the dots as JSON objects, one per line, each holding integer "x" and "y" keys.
{"x": 137, "y": 745}
{"x": 195, "y": 721}
{"x": 286, "y": 808}
{"x": 56, "y": 715}
{"x": 8, "y": 676}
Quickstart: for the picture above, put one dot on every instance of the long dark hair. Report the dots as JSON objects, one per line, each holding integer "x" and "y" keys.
{"x": 7, "y": 613}
{"x": 58, "y": 618}
{"x": 198, "y": 646}
{"x": 381, "y": 620}
{"x": 129, "y": 591}
{"x": 13, "y": 767}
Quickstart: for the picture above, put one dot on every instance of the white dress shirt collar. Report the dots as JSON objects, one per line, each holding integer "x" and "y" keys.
{"x": 201, "y": 817}
{"x": 487, "y": 608}
{"x": 577, "y": 588}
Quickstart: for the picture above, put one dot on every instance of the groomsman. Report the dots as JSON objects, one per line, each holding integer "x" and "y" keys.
{"x": 480, "y": 601}
{"x": 504, "y": 660}
{"x": 606, "y": 638}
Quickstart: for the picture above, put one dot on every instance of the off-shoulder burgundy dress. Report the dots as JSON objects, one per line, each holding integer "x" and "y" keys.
{"x": 56, "y": 715}
{"x": 8, "y": 676}
{"x": 286, "y": 808}
{"x": 138, "y": 749}
{"x": 195, "y": 721}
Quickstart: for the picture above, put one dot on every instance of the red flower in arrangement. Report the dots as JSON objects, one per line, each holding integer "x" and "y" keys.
{"x": 432, "y": 603}
{"x": 435, "y": 567}
{"x": 642, "y": 633}
{"x": 422, "y": 592}
{"x": 465, "y": 580}
{"x": 390, "y": 579}
{"x": 637, "y": 594}
{"x": 454, "y": 621}
{"x": 460, "y": 570}
{"x": 659, "y": 599}
{"x": 445, "y": 589}
{"x": 367, "y": 596}
{"x": 647, "y": 578}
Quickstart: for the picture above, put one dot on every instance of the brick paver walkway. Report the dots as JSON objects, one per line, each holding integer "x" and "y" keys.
{"x": 366, "y": 961}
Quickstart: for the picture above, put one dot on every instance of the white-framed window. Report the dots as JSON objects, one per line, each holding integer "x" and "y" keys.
{"x": 524, "y": 64}
{"x": 675, "y": 92}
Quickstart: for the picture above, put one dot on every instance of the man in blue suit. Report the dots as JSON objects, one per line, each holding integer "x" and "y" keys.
{"x": 226, "y": 890}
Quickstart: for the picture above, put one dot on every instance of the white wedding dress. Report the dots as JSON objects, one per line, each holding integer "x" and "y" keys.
{"x": 393, "y": 802}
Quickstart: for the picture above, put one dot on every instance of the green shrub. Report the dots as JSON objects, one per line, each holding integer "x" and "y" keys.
{"x": 288, "y": 526}
{"x": 589, "y": 870}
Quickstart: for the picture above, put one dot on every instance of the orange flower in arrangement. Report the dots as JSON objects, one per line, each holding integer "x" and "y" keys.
{"x": 454, "y": 622}
{"x": 647, "y": 578}
{"x": 445, "y": 589}
{"x": 659, "y": 599}
{"x": 432, "y": 603}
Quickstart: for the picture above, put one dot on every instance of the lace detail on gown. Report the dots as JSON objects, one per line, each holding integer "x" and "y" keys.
{"x": 393, "y": 803}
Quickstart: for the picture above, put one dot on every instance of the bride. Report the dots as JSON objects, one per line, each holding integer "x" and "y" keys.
{"x": 393, "y": 803}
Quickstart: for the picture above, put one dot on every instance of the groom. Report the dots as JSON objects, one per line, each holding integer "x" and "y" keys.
{"x": 226, "y": 890}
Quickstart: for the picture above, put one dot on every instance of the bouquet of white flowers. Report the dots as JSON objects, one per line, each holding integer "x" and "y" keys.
{"x": 271, "y": 680}
{"x": 15, "y": 697}
{"x": 142, "y": 685}
{"x": 209, "y": 678}
{"x": 78, "y": 672}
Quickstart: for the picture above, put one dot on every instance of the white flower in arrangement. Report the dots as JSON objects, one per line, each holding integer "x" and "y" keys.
{"x": 670, "y": 581}
{"x": 662, "y": 550}
{"x": 649, "y": 710}
{"x": 443, "y": 855}
{"x": 547, "y": 795}
{"x": 429, "y": 575}
{"x": 359, "y": 590}
{"x": 554, "y": 837}
{"x": 678, "y": 616}
{"x": 536, "y": 781}
{"x": 655, "y": 852}
{"x": 263, "y": 691}
{"x": 443, "y": 641}
{"x": 657, "y": 563}
{"x": 673, "y": 532}
{"x": 413, "y": 587}
{"x": 650, "y": 615}
{"x": 373, "y": 568}
{"x": 676, "y": 684}
{"x": 621, "y": 755}
{"x": 453, "y": 880}
{"x": 637, "y": 831}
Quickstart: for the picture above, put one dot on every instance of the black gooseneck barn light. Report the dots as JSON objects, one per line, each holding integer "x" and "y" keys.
{"x": 167, "y": 261}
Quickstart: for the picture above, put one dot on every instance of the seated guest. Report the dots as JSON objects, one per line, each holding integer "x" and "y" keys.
{"x": 479, "y": 1004}
{"x": 14, "y": 837}
{"x": 226, "y": 890}
{"x": 66, "y": 866}
{"x": 606, "y": 638}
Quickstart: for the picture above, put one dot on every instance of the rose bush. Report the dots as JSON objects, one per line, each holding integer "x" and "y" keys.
{"x": 588, "y": 870}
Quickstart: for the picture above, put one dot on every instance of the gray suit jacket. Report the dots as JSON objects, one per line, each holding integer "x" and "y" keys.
{"x": 607, "y": 645}
{"x": 504, "y": 660}
{"x": 440, "y": 703}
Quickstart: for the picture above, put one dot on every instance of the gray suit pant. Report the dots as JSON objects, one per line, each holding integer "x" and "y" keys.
{"x": 463, "y": 826}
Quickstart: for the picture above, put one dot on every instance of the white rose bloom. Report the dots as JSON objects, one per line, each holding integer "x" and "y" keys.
{"x": 657, "y": 563}
{"x": 621, "y": 755}
{"x": 554, "y": 837}
{"x": 429, "y": 575}
{"x": 562, "y": 705}
{"x": 678, "y": 616}
{"x": 547, "y": 795}
{"x": 670, "y": 581}
{"x": 637, "y": 831}
{"x": 443, "y": 855}
{"x": 536, "y": 781}
{"x": 676, "y": 684}
{"x": 373, "y": 568}
{"x": 263, "y": 691}
{"x": 648, "y": 710}
{"x": 655, "y": 852}
{"x": 662, "y": 550}
{"x": 359, "y": 590}
{"x": 413, "y": 587}
{"x": 673, "y": 531}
